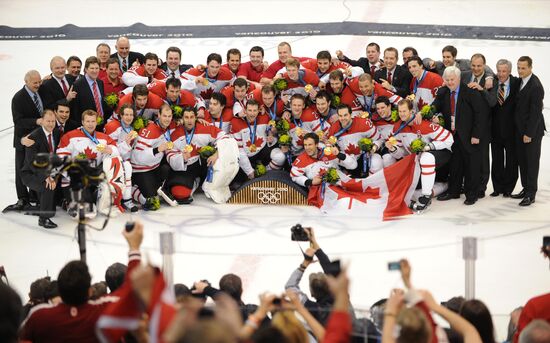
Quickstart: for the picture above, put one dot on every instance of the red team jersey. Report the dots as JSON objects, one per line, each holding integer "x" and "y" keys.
{"x": 143, "y": 157}
{"x": 118, "y": 133}
{"x": 151, "y": 109}
{"x": 348, "y": 140}
{"x": 425, "y": 89}
{"x": 223, "y": 122}
{"x": 430, "y": 133}
{"x": 205, "y": 90}
{"x": 249, "y": 72}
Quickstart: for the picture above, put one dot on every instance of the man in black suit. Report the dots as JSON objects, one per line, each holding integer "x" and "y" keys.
{"x": 529, "y": 129}
{"x": 172, "y": 65}
{"x": 26, "y": 109}
{"x": 46, "y": 139}
{"x": 74, "y": 65}
{"x": 475, "y": 79}
{"x": 126, "y": 58}
{"x": 504, "y": 167}
{"x": 90, "y": 93}
{"x": 59, "y": 85}
{"x": 370, "y": 64}
{"x": 460, "y": 107}
{"x": 394, "y": 77}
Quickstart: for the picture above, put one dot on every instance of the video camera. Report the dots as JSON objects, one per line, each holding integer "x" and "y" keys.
{"x": 82, "y": 171}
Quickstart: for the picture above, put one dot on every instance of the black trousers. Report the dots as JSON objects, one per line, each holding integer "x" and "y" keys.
{"x": 263, "y": 157}
{"x": 187, "y": 178}
{"x": 485, "y": 164}
{"x": 465, "y": 168}
{"x": 529, "y": 160}
{"x": 22, "y": 192}
{"x": 504, "y": 168}
{"x": 148, "y": 182}
{"x": 45, "y": 196}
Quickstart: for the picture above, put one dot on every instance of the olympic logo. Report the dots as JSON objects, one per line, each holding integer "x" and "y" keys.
{"x": 268, "y": 197}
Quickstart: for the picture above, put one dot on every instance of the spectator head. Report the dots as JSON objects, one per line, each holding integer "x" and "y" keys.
{"x": 290, "y": 326}
{"x": 52, "y": 293}
{"x": 454, "y": 304}
{"x": 114, "y": 275}
{"x": 478, "y": 314}
{"x": 38, "y": 291}
{"x": 182, "y": 292}
{"x": 74, "y": 282}
{"x": 538, "y": 331}
{"x": 377, "y": 313}
{"x": 269, "y": 334}
{"x": 318, "y": 286}
{"x": 414, "y": 326}
{"x": 208, "y": 331}
{"x": 10, "y": 313}
{"x": 232, "y": 285}
{"x": 99, "y": 289}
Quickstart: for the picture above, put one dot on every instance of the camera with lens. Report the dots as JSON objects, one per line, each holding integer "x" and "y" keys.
{"x": 298, "y": 233}
{"x": 81, "y": 171}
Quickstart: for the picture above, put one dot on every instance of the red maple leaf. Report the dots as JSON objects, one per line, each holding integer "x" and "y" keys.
{"x": 257, "y": 142}
{"x": 207, "y": 93}
{"x": 352, "y": 149}
{"x": 300, "y": 141}
{"x": 353, "y": 185}
{"x": 363, "y": 196}
{"x": 420, "y": 103}
{"x": 90, "y": 154}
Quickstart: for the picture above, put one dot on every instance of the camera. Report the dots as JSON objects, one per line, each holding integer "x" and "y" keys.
{"x": 298, "y": 233}
{"x": 129, "y": 226}
{"x": 333, "y": 268}
{"x": 81, "y": 171}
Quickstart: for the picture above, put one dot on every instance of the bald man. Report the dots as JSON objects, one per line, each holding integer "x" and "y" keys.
{"x": 59, "y": 85}
{"x": 26, "y": 107}
{"x": 126, "y": 58}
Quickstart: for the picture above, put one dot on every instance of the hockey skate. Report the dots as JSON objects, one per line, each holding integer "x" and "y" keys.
{"x": 421, "y": 205}
{"x": 167, "y": 196}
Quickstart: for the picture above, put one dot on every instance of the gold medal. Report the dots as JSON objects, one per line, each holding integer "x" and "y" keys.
{"x": 327, "y": 151}
{"x": 365, "y": 115}
{"x": 252, "y": 148}
{"x": 320, "y": 133}
{"x": 299, "y": 131}
{"x": 392, "y": 140}
{"x": 308, "y": 88}
{"x": 188, "y": 149}
{"x": 205, "y": 82}
{"x": 332, "y": 140}
{"x": 133, "y": 134}
{"x": 170, "y": 145}
{"x": 272, "y": 123}
{"x": 100, "y": 147}
{"x": 411, "y": 97}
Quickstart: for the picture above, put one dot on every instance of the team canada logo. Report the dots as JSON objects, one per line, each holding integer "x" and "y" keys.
{"x": 352, "y": 149}
{"x": 90, "y": 154}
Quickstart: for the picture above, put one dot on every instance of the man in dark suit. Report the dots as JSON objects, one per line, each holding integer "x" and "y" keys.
{"x": 172, "y": 65}
{"x": 370, "y": 64}
{"x": 26, "y": 108}
{"x": 460, "y": 107}
{"x": 504, "y": 167}
{"x": 90, "y": 94}
{"x": 126, "y": 58}
{"x": 529, "y": 129}
{"x": 394, "y": 77}
{"x": 46, "y": 139}
{"x": 475, "y": 79}
{"x": 59, "y": 85}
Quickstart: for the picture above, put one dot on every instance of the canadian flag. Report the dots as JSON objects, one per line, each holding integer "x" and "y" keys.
{"x": 385, "y": 195}
{"x": 125, "y": 315}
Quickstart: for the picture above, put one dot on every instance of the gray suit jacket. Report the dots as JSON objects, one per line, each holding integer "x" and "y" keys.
{"x": 462, "y": 64}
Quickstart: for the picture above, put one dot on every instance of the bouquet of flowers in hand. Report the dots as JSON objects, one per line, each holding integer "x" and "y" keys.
{"x": 206, "y": 151}
{"x": 417, "y": 145}
{"x": 365, "y": 144}
{"x": 394, "y": 116}
{"x": 99, "y": 120}
{"x": 177, "y": 111}
{"x": 139, "y": 123}
{"x": 260, "y": 170}
{"x": 330, "y": 176}
{"x": 111, "y": 100}
{"x": 282, "y": 127}
{"x": 427, "y": 112}
{"x": 284, "y": 140}
{"x": 280, "y": 84}
{"x": 335, "y": 101}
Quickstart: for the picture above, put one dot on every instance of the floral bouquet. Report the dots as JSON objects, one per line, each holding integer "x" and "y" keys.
{"x": 284, "y": 140}
{"x": 417, "y": 145}
{"x": 365, "y": 144}
{"x": 394, "y": 116}
{"x": 206, "y": 151}
{"x": 280, "y": 84}
{"x": 260, "y": 170}
{"x": 177, "y": 111}
{"x": 427, "y": 112}
{"x": 282, "y": 126}
{"x": 335, "y": 100}
{"x": 111, "y": 100}
{"x": 330, "y": 176}
{"x": 139, "y": 123}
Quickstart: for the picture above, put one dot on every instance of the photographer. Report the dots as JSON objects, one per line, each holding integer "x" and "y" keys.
{"x": 46, "y": 140}
{"x": 318, "y": 286}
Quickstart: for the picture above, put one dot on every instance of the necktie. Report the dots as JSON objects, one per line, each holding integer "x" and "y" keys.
{"x": 453, "y": 105}
{"x": 389, "y": 77}
{"x": 97, "y": 99}
{"x": 501, "y": 94}
{"x": 64, "y": 86}
{"x": 476, "y": 80}
{"x": 372, "y": 68}
{"x": 37, "y": 103}
{"x": 50, "y": 144}
{"x": 173, "y": 75}
{"x": 61, "y": 129}
{"x": 124, "y": 65}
